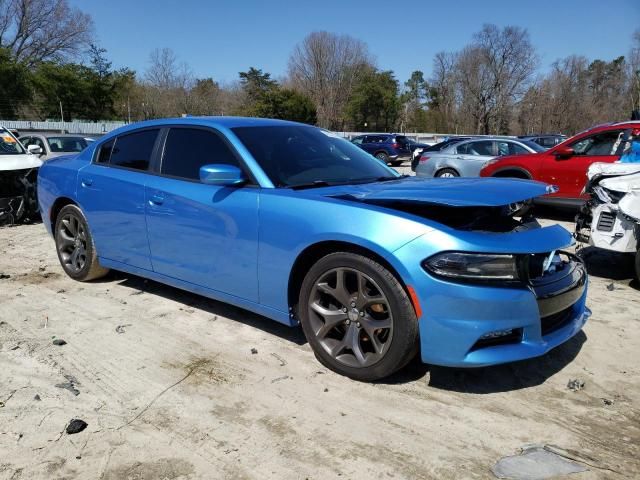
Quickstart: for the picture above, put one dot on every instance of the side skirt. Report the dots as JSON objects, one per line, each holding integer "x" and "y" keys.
{"x": 273, "y": 314}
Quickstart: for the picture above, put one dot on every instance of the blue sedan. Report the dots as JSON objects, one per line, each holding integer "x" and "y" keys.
{"x": 303, "y": 227}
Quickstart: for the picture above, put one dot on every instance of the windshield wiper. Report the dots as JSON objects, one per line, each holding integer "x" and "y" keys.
{"x": 314, "y": 184}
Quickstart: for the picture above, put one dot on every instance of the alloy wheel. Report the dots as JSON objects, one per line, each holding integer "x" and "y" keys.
{"x": 351, "y": 317}
{"x": 72, "y": 243}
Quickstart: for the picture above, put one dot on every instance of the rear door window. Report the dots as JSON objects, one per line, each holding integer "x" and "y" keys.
{"x": 134, "y": 150}
{"x": 188, "y": 149}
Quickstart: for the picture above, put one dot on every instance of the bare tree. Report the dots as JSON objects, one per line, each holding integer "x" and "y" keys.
{"x": 493, "y": 73}
{"x": 634, "y": 72}
{"x": 325, "y": 67}
{"x": 39, "y": 30}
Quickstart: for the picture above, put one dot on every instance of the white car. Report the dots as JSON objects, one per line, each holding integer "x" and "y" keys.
{"x": 18, "y": 176}
{"x": 53, "y": 145}
{"x": 611, "y": 218}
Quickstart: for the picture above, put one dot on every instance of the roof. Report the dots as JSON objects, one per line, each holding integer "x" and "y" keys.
{"x": 221, "y": 122}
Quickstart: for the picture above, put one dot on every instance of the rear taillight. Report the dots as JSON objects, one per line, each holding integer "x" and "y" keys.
{"x": 423, "y": 159}
{"x": 395, "y": 145}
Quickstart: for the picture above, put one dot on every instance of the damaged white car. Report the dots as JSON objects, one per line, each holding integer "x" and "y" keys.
{"x": 18, "y": 176}
{"x": 611, "y": 218}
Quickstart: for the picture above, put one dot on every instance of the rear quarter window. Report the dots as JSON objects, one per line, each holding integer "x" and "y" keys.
{"x": 133, "y": 150}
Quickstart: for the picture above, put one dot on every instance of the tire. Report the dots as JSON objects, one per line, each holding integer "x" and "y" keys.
{"x": 446, "y": 173}
{"x": 383, "y": 157}
{"x": 637, "y": 264}
{"x": 74, "y": 245}
{"x": 365, "y": 330}
{"x": 397, "y": 163}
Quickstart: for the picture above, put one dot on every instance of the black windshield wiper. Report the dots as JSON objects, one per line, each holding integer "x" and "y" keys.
{"x": 314, "y": 184}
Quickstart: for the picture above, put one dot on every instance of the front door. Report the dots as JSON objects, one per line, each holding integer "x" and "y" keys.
{"x": 202, "y": 234}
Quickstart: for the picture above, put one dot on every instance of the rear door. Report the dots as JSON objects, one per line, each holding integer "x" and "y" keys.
{"x": 570, "y": 173}
{"x": 111, "y": 195}
{"x": 202, "y": 234}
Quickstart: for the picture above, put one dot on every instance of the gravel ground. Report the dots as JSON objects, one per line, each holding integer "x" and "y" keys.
{"x": 170, "y": 388}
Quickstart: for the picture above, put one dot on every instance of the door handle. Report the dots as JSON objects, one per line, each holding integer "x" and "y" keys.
{"x": 86, "y": 182}
{"x": 157, "y": 199}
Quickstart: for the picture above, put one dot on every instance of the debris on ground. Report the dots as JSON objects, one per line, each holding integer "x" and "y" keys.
{"x": 120, "y": 328}
{"x": 326, "y": 390}
{"x": 278, "y": 379}
{"x": 59, "y": 342}
{"x": 575, "y": 384}
{"x": 76, "y": 426}
{"x": 606, "y": 401}
{"x": 537, "y": 462}
{"x": 4, "y": 276}
{"x": 611, "y": 287}
{"x": 254, "y": 351}
{"x": 37, "y": 397}
{"x": 282, "y": 361}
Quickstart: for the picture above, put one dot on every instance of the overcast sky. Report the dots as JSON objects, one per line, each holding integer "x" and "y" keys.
{"x": 219, "y": 38}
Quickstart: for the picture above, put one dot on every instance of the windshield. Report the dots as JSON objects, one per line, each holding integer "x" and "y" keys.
{"x": 9, "y": 145}
{"x": 298, "y": 155}
{"x": 66, "y": 144}
{"x": 533, "y": 146}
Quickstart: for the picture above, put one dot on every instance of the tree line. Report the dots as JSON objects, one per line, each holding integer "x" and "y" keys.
{"x": 50, "y": 68}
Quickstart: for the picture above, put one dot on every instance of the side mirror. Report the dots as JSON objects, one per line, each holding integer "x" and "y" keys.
{"x": 221, "y": 175}
{"x": 564, "y": 152}
{"x": 34, "y": 149}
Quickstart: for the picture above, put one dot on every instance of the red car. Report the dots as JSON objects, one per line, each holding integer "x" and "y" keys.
{"x": 565, "y": 165}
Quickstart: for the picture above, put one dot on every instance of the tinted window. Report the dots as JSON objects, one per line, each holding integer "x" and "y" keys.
{"x": 484, "y": 147}
{"x": 292, "y": 155}
{"x": 358, "y": 140}
{"x": 600, "y": 144}
{"x": 134, "y": 150}
{"x": 188, "y": 149}
{"x": 105, "y": 152}
{"x": 375, "y": 139}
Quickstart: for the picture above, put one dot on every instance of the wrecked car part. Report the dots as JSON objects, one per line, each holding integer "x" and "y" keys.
{"x": 18, "y": 200}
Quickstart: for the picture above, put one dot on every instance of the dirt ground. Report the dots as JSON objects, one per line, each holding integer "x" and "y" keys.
{"x": 170, "y": 388}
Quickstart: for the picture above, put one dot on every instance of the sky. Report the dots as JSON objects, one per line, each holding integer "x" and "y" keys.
{"x": 219, "y": 38}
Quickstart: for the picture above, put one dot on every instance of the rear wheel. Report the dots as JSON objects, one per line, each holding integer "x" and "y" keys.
{"x": 74, "y": 244}
{"x": 356, "y": 316}
{"x": 447, "y": 173}
{"x": 383, "y": 157}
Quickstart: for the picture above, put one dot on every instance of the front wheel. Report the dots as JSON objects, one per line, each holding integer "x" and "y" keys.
{"x": 74, "y": 244}
{"x": 357, "y": 317}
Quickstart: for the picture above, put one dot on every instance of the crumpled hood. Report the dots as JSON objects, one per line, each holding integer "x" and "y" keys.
{"x": 454, "y": 192}
{"x": 20, "y": 161}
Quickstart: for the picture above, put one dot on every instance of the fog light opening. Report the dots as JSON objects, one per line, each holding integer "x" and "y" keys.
{"x": 496, "y": 334}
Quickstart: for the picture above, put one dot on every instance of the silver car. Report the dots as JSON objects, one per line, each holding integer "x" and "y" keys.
{"x": 48, "y": 146}
{"x": 466, "y": 159}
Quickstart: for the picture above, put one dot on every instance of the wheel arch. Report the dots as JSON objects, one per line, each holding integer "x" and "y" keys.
{"x": 441, "y": 168}
{"x": 311, "y": 254}
{"x": 58, "y": 205}
{"x": 512, "y": 172}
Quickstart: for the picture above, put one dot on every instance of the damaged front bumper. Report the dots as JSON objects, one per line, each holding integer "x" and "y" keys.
{"x": 18, "y": 195}
{"x": 480, "y": 324}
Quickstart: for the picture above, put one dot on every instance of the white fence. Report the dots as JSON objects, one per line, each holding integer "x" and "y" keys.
{"x": 99, "y": 128}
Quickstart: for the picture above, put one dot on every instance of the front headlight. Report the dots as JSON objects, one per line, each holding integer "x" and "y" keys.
{"x": 473, "y": 266}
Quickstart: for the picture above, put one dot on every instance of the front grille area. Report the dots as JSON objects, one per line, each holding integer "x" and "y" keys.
{"x": 556, "y": 321}
{"x": 606, "y": 220}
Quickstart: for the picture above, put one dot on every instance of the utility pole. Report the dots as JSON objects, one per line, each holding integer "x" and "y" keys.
{"x": 128, "y": 110}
